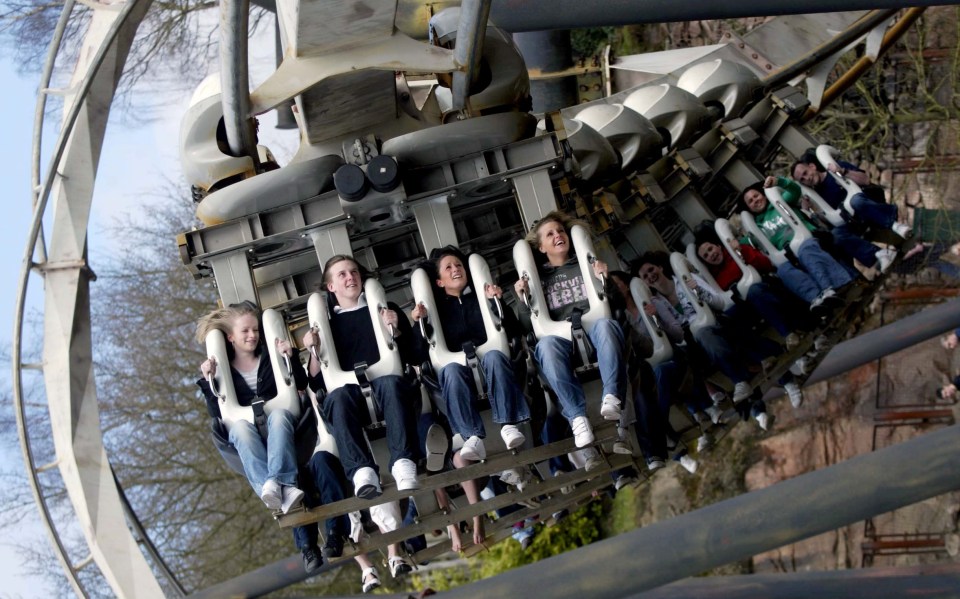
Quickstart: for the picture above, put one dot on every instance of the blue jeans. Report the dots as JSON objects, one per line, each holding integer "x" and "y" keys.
{"x": 873, "y": 214}
{"x": 460, "y": 395}
{"x": 555, "y": 428}
{"x": 798, "y": 282}
{"x": 345, "y": 410}
{"x": 327, "y": 477}
{"x": 554, "y": 357}
{"x": 719, "y": 353}
{"x": 827, "y": 272}
{"x": 770, "y": 305}
{"x": 854, "y": 246}
{"x": 274, "y": 458}
{"x": 652, "y": 412}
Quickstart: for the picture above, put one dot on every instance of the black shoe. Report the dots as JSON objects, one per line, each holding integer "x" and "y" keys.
{"x": 333, "y": 547}
{"x": 311, "y": 559}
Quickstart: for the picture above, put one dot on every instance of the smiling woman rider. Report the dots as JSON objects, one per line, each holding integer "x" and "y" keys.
{"x": 565, "y": 291}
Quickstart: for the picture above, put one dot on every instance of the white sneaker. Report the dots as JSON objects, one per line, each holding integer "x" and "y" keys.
{"x": 827, "y": 293}
{"x": 622, "y": 448}
{"x": 591, "y": 459}
{"x": 763, "y": 419}
{"x": 717, "y": 397}
{"x": 370, "y": 579}
{"x": 399, "y": 566}
{"x": 885, "y": 259}
{"x": 803, "y": 366}
{"x": 741, "y": 391}
{"x": 515, "y": 478}
{"x": 473, "y": 450}
{"x": 902, "y": 229}
{"x": 366, "y": 483}
{"x": 405, "y": 473}
{"x": 816, "y": 303}
{"x": 795, "y": 393}
{"x": 821, "y": 343}
{"x": 704, "y": 442}
{"x": 715, "y": 413}
{"x": 512, "y": 437}
{"x": 689, "y": 464}
{"x": 436, "y": 446}
{"x": 791, "y": 341}
{"x": 624, "y": 480}
{"x": 292, "y": 497}
{"x": 565, "y": 490}
{"x": 654, "y": 464}
{"x": 610, "y": 408}
{"x": 271, "y": 494}
{"x": 582, "y": 431}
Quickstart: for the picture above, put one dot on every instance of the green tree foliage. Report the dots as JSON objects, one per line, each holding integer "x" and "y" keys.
{"x": 578, "y": 529}
{"x": 172, "y": 46}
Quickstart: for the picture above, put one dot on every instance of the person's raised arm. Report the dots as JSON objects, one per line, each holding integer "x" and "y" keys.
{"x": 411, "y": 352}
{"x": 420, "y": 345}
{"x": 848, "y": 170}
{"x": 310, "y": 340}
{"x": 708, "y": 294}
{"x": 756, "y": 259}
{"x": 669, "y": 319}
{"x": 209, "y": 367}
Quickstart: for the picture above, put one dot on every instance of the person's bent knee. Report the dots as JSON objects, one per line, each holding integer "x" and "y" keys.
{"x": 496, "y": 357}
{"x": 242, "y": 431}
{"x": 281, "y": 417}
{"x": 550, "y": 348}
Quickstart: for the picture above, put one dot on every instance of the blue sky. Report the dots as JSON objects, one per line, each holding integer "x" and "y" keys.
{"x": 18, "y": 105}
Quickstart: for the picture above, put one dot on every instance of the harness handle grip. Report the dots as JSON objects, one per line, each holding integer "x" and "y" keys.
{"x": 212, "y": 381}
{"x": 287, "y": 369}
{"x": 391, "y": 343}
{"x": 525, "y": 296}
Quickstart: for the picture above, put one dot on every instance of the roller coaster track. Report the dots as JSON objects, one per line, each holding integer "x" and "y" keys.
{"x": 63, "y": 193}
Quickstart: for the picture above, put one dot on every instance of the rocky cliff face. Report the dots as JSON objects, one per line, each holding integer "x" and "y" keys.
{"x": 837, "y": 422}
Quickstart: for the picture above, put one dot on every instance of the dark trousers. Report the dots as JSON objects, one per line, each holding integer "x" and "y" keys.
{"x": 326, "y": 475}
{"x": 345, "y": 410}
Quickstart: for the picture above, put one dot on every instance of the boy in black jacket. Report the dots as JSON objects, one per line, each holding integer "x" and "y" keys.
{"x": 345, "y": 409}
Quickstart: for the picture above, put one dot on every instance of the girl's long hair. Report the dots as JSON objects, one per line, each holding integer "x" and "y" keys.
{"x": 556, "y": 216}
{"x": 222, "y": 320}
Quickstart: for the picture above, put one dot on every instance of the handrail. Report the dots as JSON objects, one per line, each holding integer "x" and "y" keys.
{"x": 41, "y": 108}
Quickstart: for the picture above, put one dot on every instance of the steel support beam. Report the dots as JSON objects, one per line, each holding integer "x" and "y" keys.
{"x": 886, "y": 340}
{"x": 541, "y": 15}
{"x": 471, "y": 31}
{"x": 740, "y": 527}
{"x": 235, "y": 79}
{"x": 549, "y": 52}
